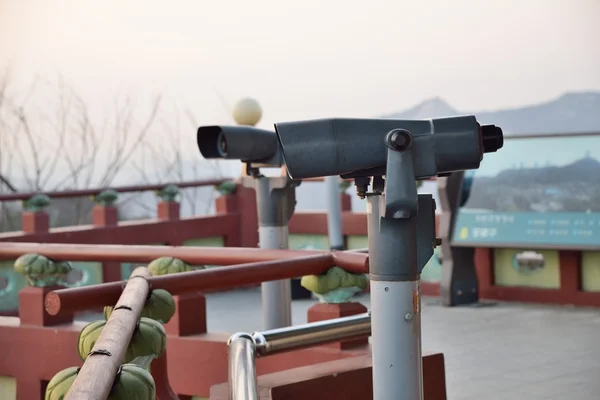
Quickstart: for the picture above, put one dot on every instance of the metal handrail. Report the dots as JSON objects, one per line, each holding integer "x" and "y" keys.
{"x": 243, "y": 347}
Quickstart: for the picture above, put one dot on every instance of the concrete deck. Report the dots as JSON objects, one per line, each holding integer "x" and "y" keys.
{"x": 505, "y": 351}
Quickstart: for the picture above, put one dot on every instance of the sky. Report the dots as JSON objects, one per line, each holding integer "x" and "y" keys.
{"x": 305, "y": 59}
{"x": 309, "y": 58}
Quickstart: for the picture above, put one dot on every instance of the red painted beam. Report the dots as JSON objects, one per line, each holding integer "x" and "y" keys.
{"x": 120, "y": 189}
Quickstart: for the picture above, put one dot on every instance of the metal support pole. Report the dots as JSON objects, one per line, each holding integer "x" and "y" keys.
{"x": 334, "y": 213}
{"x": 242, "y": 370}
{"x": 275, "y": 198}
{"x": 276, "y": 295}
{"x": 398, "y": 249}
{"x": 401, "y": 223}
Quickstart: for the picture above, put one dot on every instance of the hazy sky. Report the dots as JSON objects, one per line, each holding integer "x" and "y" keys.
{"x": 310, "y": 58}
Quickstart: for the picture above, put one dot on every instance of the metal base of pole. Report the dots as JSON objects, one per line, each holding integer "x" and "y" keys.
{"x": 396, "y": 327}
{"x": 399, "y": 248}
{"x": 276, "y": 295}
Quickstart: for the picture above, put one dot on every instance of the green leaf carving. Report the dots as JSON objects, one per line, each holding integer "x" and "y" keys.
{"x": 227, "y": 188}
{"x": 168, "y": 193}
{"x": 106, "y": 198}
{"x": 37, "y": 203}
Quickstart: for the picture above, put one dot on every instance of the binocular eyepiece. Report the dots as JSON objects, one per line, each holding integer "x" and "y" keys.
{"x": 492, "y": 137}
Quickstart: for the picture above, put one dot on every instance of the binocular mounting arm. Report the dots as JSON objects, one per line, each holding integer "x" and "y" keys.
{"x": 399, "y": 184}
{"x": 276, "y": 197}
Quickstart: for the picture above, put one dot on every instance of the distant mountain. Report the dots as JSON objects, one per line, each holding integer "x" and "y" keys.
{"x": 570, "y": 188}
{"x": 582, "y": 171}
{"x": 432, "y": 108}
{"x": 570, "y": 113}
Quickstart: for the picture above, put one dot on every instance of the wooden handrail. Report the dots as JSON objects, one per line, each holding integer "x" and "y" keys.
{"x": 97, "y": 375}
{"x": 348, "y": 260}
{"x": 96, "y": 296}
{"x": 119, "y": 189}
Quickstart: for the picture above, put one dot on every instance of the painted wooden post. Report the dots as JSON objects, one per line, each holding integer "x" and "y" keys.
{"x": 34, "y": 218}
{"x": 345, "y": 198}
{"x": 168, "y": 206}
{"x": 335, "y": 290}
{"x": 238, "y": 200}
{"x": 43, "y": 275}
{"x": 105, "y": 213}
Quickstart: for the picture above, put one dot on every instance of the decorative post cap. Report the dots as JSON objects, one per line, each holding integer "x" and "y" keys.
{"x": 37, "y": 203}
{"x": 168, "y": 193}
{"x": 133, "y": 382}
{"x": 168, "y": 265}
{"x": 336, "y": 285}
{"x": 159, "y": 307}
{"x": 40, "y": 271}
{"x": 344, "y": 185}
{"x": 61, "y": 383}
{"x": 227, "y": 188}
{"x": 106, "y": 198}
{"x": 149, "y": 339}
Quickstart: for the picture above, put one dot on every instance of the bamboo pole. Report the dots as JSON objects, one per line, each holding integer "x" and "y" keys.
{"x": 97, "y": 375}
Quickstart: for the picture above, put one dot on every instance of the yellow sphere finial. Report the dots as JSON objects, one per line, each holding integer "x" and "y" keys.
{"x": 247, "y": 111}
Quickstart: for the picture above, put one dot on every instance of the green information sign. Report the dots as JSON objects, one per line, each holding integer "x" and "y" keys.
{"x": 536, "y": 191}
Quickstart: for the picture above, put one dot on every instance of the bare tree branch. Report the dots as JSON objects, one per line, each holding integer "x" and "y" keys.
{"x": 50, "y": 140}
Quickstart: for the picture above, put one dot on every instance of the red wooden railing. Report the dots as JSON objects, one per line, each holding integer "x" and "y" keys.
{"x": 196, "y": 359}
{"x": 65, "y": 194}
{"x": 236, "y": 222}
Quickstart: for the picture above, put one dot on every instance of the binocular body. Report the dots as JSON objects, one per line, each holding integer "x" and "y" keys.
{"x": 354, "y": 147}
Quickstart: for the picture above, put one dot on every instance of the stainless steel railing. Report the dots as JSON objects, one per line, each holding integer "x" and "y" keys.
{"x": 244, "y": 347}
{"x": 242, "y": 369}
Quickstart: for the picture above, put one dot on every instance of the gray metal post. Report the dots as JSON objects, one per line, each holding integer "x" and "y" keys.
{"x": 275, "y": 198}
{"x": 399, "y": 248}
{"x": 401, "y": 228}
{"x": 401, "y": 223}
{"x": 334, "y": 213}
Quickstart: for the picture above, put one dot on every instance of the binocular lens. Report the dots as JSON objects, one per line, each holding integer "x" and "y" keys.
{"x": 222, "y": 144}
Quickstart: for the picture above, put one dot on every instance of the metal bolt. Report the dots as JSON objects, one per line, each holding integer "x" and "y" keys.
{"x": 408, "y": 317}
{"x": 399, "y": 139}
{"x": 387, "y": 289}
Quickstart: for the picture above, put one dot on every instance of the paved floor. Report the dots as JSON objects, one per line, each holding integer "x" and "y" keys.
{"x": 515, "y": 351}
{"x": 505, "y": 351}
